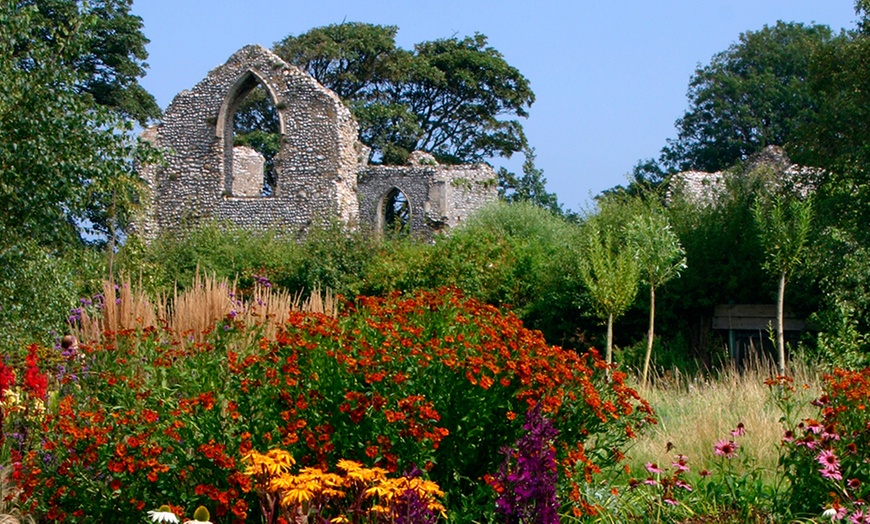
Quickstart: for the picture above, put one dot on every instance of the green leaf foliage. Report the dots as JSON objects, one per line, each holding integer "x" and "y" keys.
{"x": 454, "y": 98}
{"x": 660, "y": 255}
{"x": 39, "y": 287}
{"x": 754, "y": 94}
{"x": 609, "y": 267}
{"x": 111, "y": 58}
{"x": 609, "y": 270}
{"x": 62, "y": 158}
{"x": 529, "y": 187}
{"x": 784, "y": 228}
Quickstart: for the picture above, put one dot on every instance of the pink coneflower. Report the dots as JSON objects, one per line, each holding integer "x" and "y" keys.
{"x": 705, "y": 473}
{"x": 651, "y": 482}
{"x": 827, "y": 459}
{"x": 788, "y": 436}
{"x": 858, "y": 517}
{"x": 814, "y": 426}
{"x": 679, "y": 463}
{"x": 809, "y": 442}
{"x": 831, "y": 473}
{"x": 671, "y": 501}
{"x": 681, "y": 484}
{"x": 725, "y": 448}
{"x": 831, "y": 469}
{"x": 739, "y": 430}
{"x": 854, "y": 484}
{"x": 652, "y": 467}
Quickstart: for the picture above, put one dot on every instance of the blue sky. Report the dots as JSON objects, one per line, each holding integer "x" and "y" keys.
{"x": 610, "y": 77}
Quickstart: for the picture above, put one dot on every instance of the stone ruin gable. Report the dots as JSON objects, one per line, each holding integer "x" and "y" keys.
{"x": 697, "y": 186}
{"x": 321, "y": 168}
{"x": 705, "y": 188}
{"x": 440, "y": 197}
{"x": 315, "y": 168}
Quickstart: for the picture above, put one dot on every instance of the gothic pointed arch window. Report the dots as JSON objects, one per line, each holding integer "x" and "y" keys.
{"x": 251, "y": 129}
{"x": 395, "y": 212}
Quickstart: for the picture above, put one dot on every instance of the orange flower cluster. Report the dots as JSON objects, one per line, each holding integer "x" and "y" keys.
{"x": 850, "y": 386}
{"x": 433, "y": 380}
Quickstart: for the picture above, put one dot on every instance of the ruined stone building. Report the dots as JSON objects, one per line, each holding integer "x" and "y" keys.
{"x": 321, "y": 168}
{"x": 772, "y": 163}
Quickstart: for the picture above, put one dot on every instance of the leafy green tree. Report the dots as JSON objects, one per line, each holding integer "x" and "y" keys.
{"x": 661, "y": 257}
{"x": 608, "y": 268}
{"x": 837, "y": 141}
{"x": 754, "y": 94}
{"x": 63, "y": 159}
{"x": 454, "y": 98}
{"x": 111, "y": 57}
{"x": 530, "y": 187}
{"x": 784, "y": 228}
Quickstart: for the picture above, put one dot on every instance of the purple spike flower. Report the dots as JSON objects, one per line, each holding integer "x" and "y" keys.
{"x": 528, "y": 475}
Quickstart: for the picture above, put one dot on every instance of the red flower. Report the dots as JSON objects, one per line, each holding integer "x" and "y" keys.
{"x": 34, "y": 382}
{"x": 7, "y": 378}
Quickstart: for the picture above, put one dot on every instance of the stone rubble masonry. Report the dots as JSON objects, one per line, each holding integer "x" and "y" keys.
{"x": 248, "y": 175}
{"x": 773, "y": 162}
{"x": 321, "y": 169}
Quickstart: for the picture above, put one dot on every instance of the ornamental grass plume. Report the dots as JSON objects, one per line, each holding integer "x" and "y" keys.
{"x": 10, "y": 512}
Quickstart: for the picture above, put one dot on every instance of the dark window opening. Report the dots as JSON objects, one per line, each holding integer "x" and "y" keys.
{"x": 256, "y": 125}
{"x": 397, "y": 212}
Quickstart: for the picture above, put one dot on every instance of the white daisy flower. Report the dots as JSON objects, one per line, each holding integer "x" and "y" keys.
{"x": 200, "y": 516}
{"x": 163, "y": 514}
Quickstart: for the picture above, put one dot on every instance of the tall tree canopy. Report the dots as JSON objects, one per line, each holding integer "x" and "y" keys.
{"x": 63, "y": 158}
{"x": 528, "y": 187}
{"x": 456, "y": 98}
{"x": 752, "y": 95}
{"x": 111, "y": 56}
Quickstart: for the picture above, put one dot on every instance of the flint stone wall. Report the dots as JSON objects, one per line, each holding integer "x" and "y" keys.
{"x": 248, "y": 174}
{"x": 440, "y": 197}
{"x": 321, "y": 168}
{"x": 772, "y": 162}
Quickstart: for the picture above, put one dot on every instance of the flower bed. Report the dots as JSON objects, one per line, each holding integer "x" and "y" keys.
{"x": 433, "y": 381}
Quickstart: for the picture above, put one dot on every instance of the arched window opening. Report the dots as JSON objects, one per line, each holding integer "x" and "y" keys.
{"x": 396, "y": 212}
{"x": 256, "y": 140}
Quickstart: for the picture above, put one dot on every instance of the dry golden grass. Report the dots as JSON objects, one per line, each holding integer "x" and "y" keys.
{"x": 194, "y": 312}
{"x": 695, "y": 412}
{"x": 9, "y": 513}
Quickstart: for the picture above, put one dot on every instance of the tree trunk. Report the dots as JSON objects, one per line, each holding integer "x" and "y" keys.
{"x": 609, "y": 353}
{"x": 650, "y": 333}
{"x": 780, "y": 335}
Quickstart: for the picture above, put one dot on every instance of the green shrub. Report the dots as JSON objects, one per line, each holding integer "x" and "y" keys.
{"x": 39, "y": 287}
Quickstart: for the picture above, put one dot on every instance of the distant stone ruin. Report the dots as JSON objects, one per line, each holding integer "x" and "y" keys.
{"x": 321, "y": 170}
{"x": 705, "y": 188}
